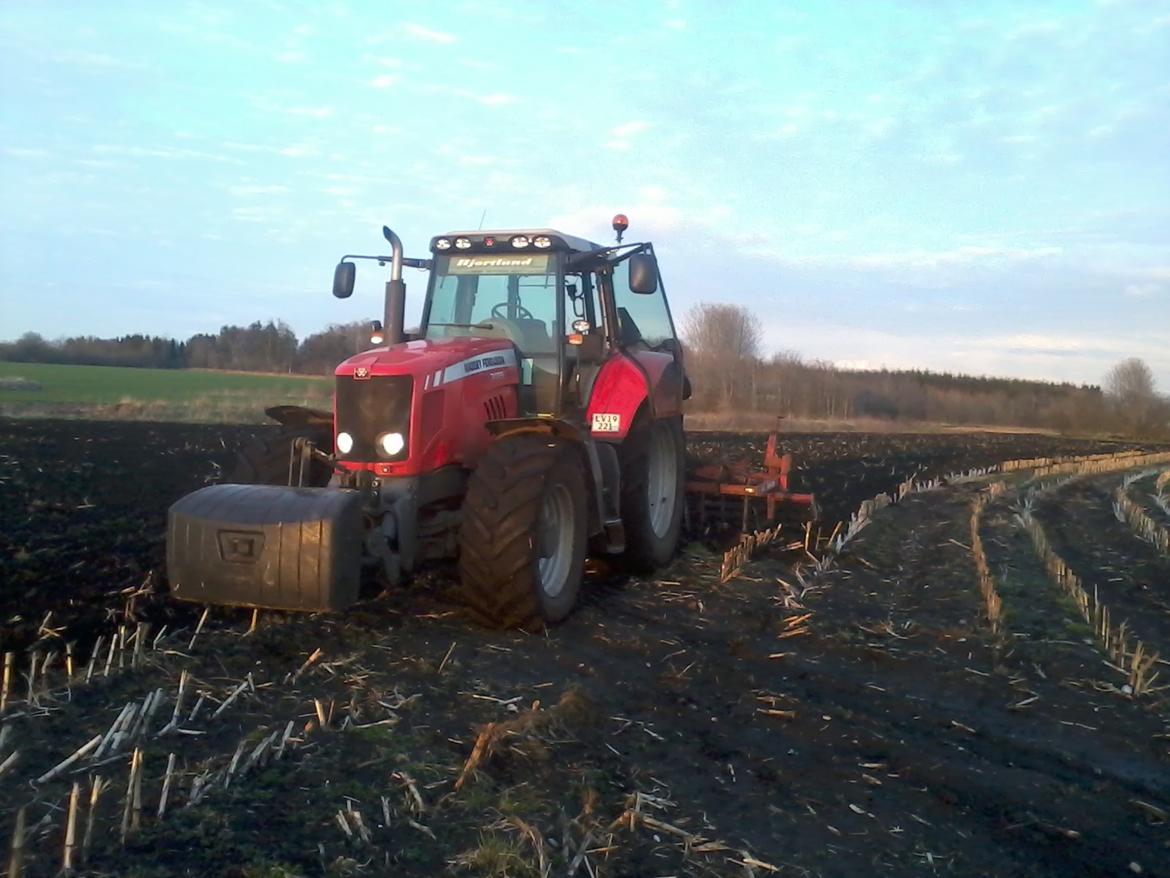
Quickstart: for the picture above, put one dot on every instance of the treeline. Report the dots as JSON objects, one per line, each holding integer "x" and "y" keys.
{"x": 788, "y": 385}
{"x": 259, "y": 347}
{"x": 724, "y": 344}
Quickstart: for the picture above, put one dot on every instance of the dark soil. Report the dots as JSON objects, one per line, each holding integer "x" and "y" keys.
{"x": 1131, "y": 576}
{"x": 887, "y": 733}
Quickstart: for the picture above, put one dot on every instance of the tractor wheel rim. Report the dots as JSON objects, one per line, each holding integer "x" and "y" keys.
{"x": 556, "y": 540}
{"x": 662, "y": 480}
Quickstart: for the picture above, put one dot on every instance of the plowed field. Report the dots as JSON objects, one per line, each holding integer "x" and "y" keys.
{"x": 854, "y": 721}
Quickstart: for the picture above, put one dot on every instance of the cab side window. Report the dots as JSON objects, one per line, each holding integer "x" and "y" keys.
{"x": 642, "y": 318}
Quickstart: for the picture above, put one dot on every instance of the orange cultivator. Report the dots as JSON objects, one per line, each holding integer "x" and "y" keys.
{"x": 716, "y": 487}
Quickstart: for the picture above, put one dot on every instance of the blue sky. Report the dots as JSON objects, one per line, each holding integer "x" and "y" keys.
{"x": 978, "y": 187}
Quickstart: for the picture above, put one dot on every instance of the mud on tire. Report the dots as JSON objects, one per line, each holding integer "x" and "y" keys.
{"x": 653, "y": 471}
{"x": 523, "y": 535}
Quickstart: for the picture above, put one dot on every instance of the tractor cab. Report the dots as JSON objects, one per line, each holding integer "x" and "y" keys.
{"x": 563, "y": 301}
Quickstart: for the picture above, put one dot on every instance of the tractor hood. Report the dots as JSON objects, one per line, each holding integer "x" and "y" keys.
{"x": 404, "y": 410}
{"x": 432, "y": 362}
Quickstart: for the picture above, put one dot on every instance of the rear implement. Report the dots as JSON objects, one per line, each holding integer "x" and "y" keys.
{"x": 722, "y": 493}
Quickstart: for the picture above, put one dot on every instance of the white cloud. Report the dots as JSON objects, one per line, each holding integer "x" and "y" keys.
{"x": 677, "y": 23}
{"x": 477, "y": 64}
{"x": 1033, "y": 342}
{"x": 1041, "y": 28}
{"x": 243, "y": 146}
{"x": 426, "y": 35}
{"x": 160, "y": 152}
{"x": 784, "y": 132}
{"x": 622, "y": 135}
{"x": 311, "y": 112}
{"x": 97, "y": 61}
{"x": 879, "y": 128}
{"x": 20, "y": 152}
{"x": 1160, "y": 273}
{"x": 248, "y": 190}
{"x": 300, "y": 150}
{"x": 652, "y": 217}
{"x": 629, "y": 129}
{"x": 255, "y": 214}
{"x": 1143, "y": 290}
{"x": 1045, "y": 357}
{"x": 386, "y": 80}
{"x": 497, "y": 99}
{"x": 493, "y": 99}
{"x": 966, "y": 257}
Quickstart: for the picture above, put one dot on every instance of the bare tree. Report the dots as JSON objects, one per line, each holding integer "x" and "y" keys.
{"x": 1130, "y": 381}
{"x": 1131, "y": 385}
{"x": 724, "y": 342}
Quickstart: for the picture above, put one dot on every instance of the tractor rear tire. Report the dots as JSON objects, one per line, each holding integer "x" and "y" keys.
{"x": 264, "y": 460}
{"x": 523, "y": 535}
{"x": 653, "y": 474}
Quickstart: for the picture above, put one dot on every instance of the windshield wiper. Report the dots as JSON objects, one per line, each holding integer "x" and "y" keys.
{"x": 466, "y": 325}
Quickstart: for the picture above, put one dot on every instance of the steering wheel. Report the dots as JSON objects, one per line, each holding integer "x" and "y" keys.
{"x": 500, "y": 310}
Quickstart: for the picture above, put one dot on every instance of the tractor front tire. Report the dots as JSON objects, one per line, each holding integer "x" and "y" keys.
{"x": 653, "y": 473}
{"x": 264, "y": 460}
{"x": 523, "y": 535}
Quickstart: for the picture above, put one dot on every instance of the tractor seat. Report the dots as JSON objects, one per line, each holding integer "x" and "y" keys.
{"x": 536, "y": 340}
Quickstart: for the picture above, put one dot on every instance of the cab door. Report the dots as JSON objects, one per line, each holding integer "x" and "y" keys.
{"x": 645, "y": 367}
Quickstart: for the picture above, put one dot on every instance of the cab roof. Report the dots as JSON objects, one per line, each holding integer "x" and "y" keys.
{"x": 573, "y": 242}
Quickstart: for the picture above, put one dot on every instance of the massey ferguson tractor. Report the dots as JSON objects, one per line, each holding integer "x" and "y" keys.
{"x": 535, "y": 416}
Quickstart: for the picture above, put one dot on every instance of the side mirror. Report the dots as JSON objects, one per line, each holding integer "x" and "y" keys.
{"x": 643, "y": 274}
{"x": 343, "y": 277}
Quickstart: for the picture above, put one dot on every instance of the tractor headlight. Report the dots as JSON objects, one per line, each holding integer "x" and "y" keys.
{"x": 520, "y": 241}
{"x": 462, "y": 243}
{"x": 443, "y": 244}
{"x": 542, "y": 242}
{"x": 344, "y": 443}
{"x": 392, "y": 443}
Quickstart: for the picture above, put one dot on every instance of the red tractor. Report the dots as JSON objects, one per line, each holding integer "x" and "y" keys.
{"x": 534, "y": 416}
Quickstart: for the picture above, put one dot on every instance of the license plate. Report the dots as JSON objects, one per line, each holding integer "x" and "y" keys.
{"x": 604, "y": 423}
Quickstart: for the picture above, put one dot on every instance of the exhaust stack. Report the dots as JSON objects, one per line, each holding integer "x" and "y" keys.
{"x": 395, "y": 314}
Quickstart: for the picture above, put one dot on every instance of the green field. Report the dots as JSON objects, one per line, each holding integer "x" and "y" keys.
{"x": 155, "y": 394}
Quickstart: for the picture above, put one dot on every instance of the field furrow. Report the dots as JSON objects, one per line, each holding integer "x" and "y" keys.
{"x": 1131, "y": 577}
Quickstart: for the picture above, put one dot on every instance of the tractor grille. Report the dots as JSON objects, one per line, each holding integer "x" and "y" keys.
{"x": 368, "y": 408}
{"x": 495, "y": 408}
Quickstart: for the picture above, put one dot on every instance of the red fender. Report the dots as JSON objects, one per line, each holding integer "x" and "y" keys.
{"x": 622, "y": 386}
{"x": 666, "y": 377}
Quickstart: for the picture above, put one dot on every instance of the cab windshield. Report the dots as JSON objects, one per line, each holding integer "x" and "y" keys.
{"x": 513, "y": 296}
